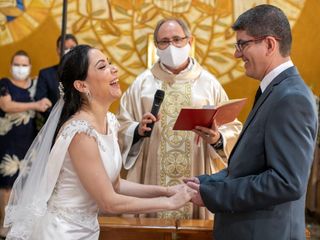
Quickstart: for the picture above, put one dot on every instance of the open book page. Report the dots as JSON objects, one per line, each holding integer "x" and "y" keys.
{"x": 228, "y": 111}
{"x": 231, "y": 101}
{"x": 223, "y": 113}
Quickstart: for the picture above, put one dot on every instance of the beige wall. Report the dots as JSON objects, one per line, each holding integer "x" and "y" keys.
{"x": 120, "y": 28}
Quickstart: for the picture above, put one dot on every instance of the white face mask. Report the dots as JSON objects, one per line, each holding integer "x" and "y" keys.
{"x": 20, "y": 72}
{"x": 173, "y": 56}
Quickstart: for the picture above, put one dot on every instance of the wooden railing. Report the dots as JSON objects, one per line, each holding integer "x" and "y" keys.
{"x": 120, "y": 228}
{"x": 194, "y": 229}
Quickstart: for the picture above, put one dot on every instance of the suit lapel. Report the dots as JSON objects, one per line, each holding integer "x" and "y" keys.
{"x": 282, "y": 76}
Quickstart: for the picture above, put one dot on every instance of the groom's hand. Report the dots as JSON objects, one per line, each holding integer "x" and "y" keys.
{"x": 196, "y": 199}
{"x": 191, "y": 179}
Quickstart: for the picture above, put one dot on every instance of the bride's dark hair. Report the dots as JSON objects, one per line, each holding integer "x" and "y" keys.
{"x": 73, "y": 66}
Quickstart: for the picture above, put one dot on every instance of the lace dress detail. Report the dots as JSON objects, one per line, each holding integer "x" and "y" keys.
{"x": 81, "y": 126}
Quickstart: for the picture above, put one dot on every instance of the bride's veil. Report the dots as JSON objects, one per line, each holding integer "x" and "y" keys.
{"x": 28, "y": 199}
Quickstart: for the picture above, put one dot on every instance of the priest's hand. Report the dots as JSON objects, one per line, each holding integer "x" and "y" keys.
{"x": 147, "y": 118}
{"x": 209, "y": 135}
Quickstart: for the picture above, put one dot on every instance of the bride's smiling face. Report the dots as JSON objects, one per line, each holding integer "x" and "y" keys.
{"x": 102, "y": 77}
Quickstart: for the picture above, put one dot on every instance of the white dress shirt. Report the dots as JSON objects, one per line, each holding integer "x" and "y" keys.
{"x": 273, "y": 74}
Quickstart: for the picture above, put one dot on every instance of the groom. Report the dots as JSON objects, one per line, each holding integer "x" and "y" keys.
{"x": 261, "y": 195}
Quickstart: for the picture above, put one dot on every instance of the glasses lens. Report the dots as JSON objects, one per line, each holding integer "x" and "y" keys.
{"x": 163, "y": 44}
{"x": 177, "y": 42}
{"x": 240, "y": 45}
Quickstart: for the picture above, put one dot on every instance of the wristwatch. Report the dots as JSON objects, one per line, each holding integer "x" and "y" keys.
{"x": 219, "y": 144}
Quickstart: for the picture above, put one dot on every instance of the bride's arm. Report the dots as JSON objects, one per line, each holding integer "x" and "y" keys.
{"x": 86, "y": 160}
{"x": 145, "y": 191}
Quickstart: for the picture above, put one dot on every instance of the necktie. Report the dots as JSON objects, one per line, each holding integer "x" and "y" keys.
{"x": 258, "y": 94}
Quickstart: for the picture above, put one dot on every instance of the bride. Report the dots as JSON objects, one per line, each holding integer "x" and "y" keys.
{"x": 72, "y": 168}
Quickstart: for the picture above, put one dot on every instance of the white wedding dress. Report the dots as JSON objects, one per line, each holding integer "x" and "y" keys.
{"x": 71, "y": 212}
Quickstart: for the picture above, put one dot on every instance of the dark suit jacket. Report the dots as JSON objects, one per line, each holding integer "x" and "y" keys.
{"x": 261, "y": 195}
{"x": 48, "y": 86}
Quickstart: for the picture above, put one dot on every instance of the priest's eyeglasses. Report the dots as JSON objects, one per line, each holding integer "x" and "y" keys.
{"x": 175, "y": 41}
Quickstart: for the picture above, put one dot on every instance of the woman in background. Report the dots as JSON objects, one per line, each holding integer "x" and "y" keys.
{"x": 17, "y": 123}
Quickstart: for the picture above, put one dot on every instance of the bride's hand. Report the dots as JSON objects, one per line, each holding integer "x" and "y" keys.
{"x": 183, "y": 195}
{"x": 171, "y": 190}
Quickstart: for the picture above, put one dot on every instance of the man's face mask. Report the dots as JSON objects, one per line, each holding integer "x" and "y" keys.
{"x": 173, "y": 56}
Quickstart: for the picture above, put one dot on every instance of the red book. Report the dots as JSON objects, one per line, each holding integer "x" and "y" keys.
{"x": 223, "y": 113}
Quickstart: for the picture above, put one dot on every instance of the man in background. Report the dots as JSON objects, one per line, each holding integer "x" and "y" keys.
{"x": 261, "y": 194}
{"x": 48, "y": 81}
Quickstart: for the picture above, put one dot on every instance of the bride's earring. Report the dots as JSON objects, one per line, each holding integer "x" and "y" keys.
{"x": 89, "y": 96}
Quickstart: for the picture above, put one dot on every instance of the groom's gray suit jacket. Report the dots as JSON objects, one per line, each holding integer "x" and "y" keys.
{"x": 261, "y": 195}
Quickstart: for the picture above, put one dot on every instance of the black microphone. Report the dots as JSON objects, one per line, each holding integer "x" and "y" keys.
{"x": 158, "y": 98}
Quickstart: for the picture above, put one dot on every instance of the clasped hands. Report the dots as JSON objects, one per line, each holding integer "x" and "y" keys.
{"x": 190, "y": 190}
{"x": 183, "y": 193}
{"x": 194, "y": 183}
